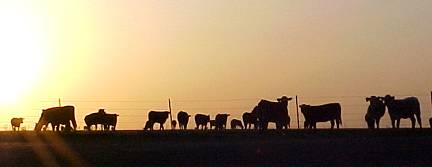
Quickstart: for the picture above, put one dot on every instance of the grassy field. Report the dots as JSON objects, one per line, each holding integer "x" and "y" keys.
{"x": 347, "y": 147}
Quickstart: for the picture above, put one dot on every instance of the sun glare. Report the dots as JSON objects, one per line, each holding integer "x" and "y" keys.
{"x": 20, "y": 52}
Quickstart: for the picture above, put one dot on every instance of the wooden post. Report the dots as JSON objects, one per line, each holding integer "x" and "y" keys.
{"x": 59, "y": 102}
{"x": 169, "y": 105}
{"x": 297, "y": 107}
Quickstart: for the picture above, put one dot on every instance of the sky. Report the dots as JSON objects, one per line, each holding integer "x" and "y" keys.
{"x": 210, "y": 57}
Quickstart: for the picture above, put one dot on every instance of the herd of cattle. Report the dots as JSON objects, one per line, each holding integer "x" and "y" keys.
{"x": 266, "y": 111}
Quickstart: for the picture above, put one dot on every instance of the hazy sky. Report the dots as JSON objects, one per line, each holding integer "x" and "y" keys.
{"x": 131, "y": 56}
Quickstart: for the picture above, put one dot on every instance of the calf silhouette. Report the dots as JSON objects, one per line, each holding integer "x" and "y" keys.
{"x": 183, "y": 119}
{"x": 236, "y": 123}
{"x": 108, "y": 121}
{"x": 174, "y": 124}
{"x": 221, "y": 121}
{"x": 402, "y": 109}
{"x": 202, "y": 120}
{"x": 322, "y": 113}
{"x": 276, "y": 112}
{"x": 375, "y": 111}
{"x": 16, "y": 122}
{"x": 250, "y": 119}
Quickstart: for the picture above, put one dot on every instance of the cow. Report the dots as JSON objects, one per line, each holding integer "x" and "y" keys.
{"x": 156, "y": 117}
{"x": 183, "y": 119}
{"x": 221, "y": 121}
{"x": 276, "y": 112}
{"x": 92, "y": 119}
{"x": 250, "y": 119}
{"x": 57, "y": 116}
{"x": 374, "y": 112}
{"x": 403, "y": 108}
{"x": 109, "y": 121}
{"x": 236, "y": 123}
{"x": 322, "y": 113}
{"x": 16, "y": 122}
{"x": 101, "y": 118}
{"x": 202, "y": 120}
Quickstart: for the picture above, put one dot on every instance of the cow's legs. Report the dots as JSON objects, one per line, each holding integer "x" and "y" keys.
{"x": 377, "y": 122}
{"x": 393, "y": 122}
{"x": 398, "y": 123}
{"x": 413, "y": 121}
{"x": 419, "y": 119}
{"x": 332, "y": 124}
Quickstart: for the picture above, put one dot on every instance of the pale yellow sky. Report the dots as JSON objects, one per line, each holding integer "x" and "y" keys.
{"x": 131, "y": 56}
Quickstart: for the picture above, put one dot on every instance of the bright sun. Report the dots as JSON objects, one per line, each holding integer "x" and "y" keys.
{"x": 21, "y": 52}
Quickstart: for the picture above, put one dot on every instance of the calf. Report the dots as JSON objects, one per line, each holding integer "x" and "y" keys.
{"x": 157, "y": 117}
{"x": 183, "y": 119}
{"x": 236, "y": 123}
{"x": 402, "y": 109}
{"x": 322, "y": 113}
{"x": 202, "y": 120}
{"x": 16, "y": 123}
{"x": 375, "y": 111}
{"x": 221, "y": 121}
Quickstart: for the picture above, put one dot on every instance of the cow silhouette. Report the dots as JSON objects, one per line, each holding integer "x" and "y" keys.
{"x": 202, "y": 120}
{"x": 322, "y": 113}
{"x": 250, "y": 119}
{"x": 375, "y": 111}
{"x": 57, "y": 116}
{"x": 156, "y": 117}
{"x": 276, "y": 112}
{"x": 236, "y": 123}
{"x": 403, "y": 109}
{"x": 174, "y": 124}
{"x": 101, "y": 118}
{"x": 16, "y": 122}
{"x": 183, "y": 119}
{"x": 221, "y": 121}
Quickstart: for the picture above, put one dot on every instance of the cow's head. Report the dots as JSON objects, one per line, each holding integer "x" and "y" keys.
{"x": 284, "y": 100}
{"x": 21, "y": 120}
{"x": 304, "y": 108}
{"x": 42, "y": 121}
{"x": 374, "y": 100}
{"x": 388, "y": 99}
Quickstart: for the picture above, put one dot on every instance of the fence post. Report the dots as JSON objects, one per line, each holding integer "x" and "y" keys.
{"x": 297, "y": 108}
{"x": 59, "y": 102}
{"x": 169, "y": 105}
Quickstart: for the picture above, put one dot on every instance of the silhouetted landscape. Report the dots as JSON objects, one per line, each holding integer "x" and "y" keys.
{"x": 348, "y": 147}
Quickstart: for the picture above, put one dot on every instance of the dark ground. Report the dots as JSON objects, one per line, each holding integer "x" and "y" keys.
{"x": 348, "y": 147}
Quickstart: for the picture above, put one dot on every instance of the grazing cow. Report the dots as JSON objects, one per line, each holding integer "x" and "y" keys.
{"x": 375, "y": 111}
{"x": 156, "y": 117}
{"x": 183, "y": 119}
{"x": 221, "y": 121}
{"x": 276, "y": 112}
{"x": 250, "y": 119}
{"x": 236, "y": 123}
{"x": 102, "y": 118}
{"x": 202, "y": 120}
{"x": 57, "y": 116}
{"x": 403, "y": 108}
{"x": 322, "y": 113}
{"x": 16, "y": 123}
{"x": 174, "y": 124}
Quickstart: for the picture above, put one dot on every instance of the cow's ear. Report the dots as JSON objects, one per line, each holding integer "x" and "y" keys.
{"x": 368, "y": 99}
{"x": 290, "y": 98}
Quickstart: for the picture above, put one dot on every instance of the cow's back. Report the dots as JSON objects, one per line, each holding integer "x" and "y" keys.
{"x": 325, "y": 112}
{"x": 158, "y": 116}
{"x": 201, "y": 119}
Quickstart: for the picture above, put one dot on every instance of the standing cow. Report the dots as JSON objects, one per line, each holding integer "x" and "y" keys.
{"x": 250, "y": 119}
{"x": 202, "y": 120}
{"x": 57, "y": 116}
{"x": 16, "y": 122}
{"x": 109, "y": 121}
{"x": 236, "y": 123}
{"x": 375, "y": 111}
{"x": 322, "y": 113}
{"x": 221, "y": 121}
{"x": 183, "y": 119}
{"x": 156, "y": 117}
{"x": 403, "y": 108}
{"x": 276, "y": 112}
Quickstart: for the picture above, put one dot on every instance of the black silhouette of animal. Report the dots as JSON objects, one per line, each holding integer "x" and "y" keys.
{"x": 250, "y": 119}
{"x": 16, "y": 123}
{"x": 156, "y": 117}
{"x": 221, "y": 121}
{"x": 212, "y": 124}
{"x": 174, "y": 124}
{"x": 109, "y": 121}
{"x": 322, "y": 113}
{"x": 202, "y": 120}
{"x": 183, "y": 119}
{"x": 402, "y": 109}
{"x": 57, "y": 116}
{"x": 375, "y": 111}
{"x": 276, "y": 112}
{"x": 92, "y": 119}
{"x": 430, "y": 122}
{"x": 236, "y": 123}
